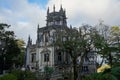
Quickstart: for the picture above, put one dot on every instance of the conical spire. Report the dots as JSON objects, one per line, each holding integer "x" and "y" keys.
{"x": 48, "y": 11}
{"x": 37, "y": 34}
{"x": 70, "y": 26}
{"x": 38, "y": 27}
{"x": 29, "y": 38}
{"x": 54, "y": 8}
{"x": 38, "y": 30}
{"x": 61, "y": 9}
{"x": 29, "y": 41}
{"x": 64, "y": 12}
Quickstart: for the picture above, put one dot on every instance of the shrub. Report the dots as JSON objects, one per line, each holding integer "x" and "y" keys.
{"x": 116, "y": 72}
{"x": 8, "y": 77}
{"x": 107, "y": 74}
{"x": 48, "y": 70}
{"x": 24, "y": 75}
{"x": 29, "y": 75}
{"x": 18, "y": 74}
{"x": 60, "y": 79}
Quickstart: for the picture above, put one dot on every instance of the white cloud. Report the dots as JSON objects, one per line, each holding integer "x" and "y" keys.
{"x": 90, "y": 11}
{"x": 24, "y": 16}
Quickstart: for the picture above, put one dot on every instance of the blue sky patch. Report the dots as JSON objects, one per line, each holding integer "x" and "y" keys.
{"x": 41, "y": 2}
{"x": 4, "y": 4}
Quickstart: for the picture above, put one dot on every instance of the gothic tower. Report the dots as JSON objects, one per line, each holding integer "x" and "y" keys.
{"x": 56, "y": 18}
{"x": 44, "y": 52}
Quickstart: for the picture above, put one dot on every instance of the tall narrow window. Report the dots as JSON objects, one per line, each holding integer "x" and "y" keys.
{"x": 33, "y": 57}
{"x": 59, "y": 57}
{"x": 85, "y": 68}
{"x": 46, "y": 37}
{"x": 46, "y": 57}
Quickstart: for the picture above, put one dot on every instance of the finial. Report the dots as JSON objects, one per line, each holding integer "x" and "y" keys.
{"x": 54, "y": 8}
{"x": 29, "y": 38}
{"x": 38, "y": 26}
{"x": 101, "y": 21}
{"x": 31, "y": 41}
{"x": 61, "y": 9}
{"x": 64, "y": 11}
{"x": 61, "y": 6}
{"x": 48, "y": 11}
{"x": 70, "y": 26}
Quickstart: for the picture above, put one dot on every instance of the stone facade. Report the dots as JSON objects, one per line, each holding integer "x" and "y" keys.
{"x": 44, "y": 52}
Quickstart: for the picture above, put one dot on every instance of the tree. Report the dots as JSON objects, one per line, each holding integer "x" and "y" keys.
{"x": 115, "y": 39}
{"x": 107, "y": 74}
{"x": 20, "y": 58}
{"x": 77, "y": 43}
{"x": 9, "y": 47}
{"x": 104, "y": 42}
{"x": 101, "y": 41}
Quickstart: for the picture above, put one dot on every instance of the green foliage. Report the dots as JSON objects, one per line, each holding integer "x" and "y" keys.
{"x": 116, "y": 72}
{"x": 100, "y": 76}
{"x": 24, "y": 75}
{"x": 10, "y": 47}
{"x": 60, "y": 79}
{"x": 48, "y": 70}
{"x": 108, "y": 74}
{"x": 13, "y": 49}
{"x": 4, "y": 33}
{"x": 29, "y": 75}
{"x": 8, "y": 77}
{"x": 17, "y": 73}
{"x": 77, "y": 43}
{"x": 20, "y": 58}
{"x": 106, "y": 41}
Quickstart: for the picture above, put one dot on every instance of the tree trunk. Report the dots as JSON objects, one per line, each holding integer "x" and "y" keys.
{"x": 110, "y": 59}
{"x": 101, "y": 62}
{"x": 75, "y": 69}
{"x": 81, "y": 64}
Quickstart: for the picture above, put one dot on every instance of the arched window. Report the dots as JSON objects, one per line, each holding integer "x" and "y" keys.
{"x": 46, "y": 57}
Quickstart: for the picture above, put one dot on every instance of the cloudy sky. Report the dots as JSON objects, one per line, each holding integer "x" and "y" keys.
{"x": 25, "y": 15}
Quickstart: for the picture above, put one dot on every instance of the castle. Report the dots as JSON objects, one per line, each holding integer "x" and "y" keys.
{"x": 44, "y": 52}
